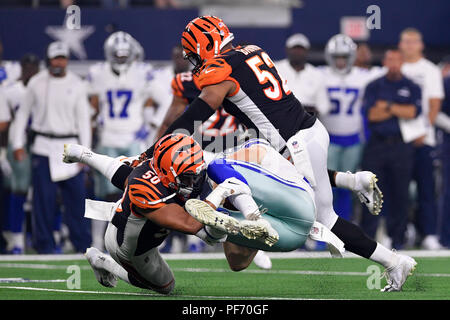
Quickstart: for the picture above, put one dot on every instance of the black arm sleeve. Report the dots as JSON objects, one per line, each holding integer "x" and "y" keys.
{"x": 331, "y": 174}
{"x": 197, "y": 112}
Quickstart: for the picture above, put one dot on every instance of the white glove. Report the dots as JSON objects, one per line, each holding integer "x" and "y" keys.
{"x": 5, "y": 167}
{"x": 231, "y": 186}
{"x": 211, "y": 235}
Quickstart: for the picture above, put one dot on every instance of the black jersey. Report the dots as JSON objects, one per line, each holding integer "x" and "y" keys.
{"x": 221, "y": 130}
{"x": 144, "y": 193}
{"x": 262, "y": 100}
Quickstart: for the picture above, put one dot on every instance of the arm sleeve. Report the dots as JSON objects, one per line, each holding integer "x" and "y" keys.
{"x": 322, "y": 100}
{"x": 5, "y": 114}
{"x": 219, "y": 170}
{"x": 83, "y": 118}
{"x": 21, "y": 119}
{"x": 416, "y": 98}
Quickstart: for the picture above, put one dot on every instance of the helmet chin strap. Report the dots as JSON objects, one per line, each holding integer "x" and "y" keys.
{"x": 226, "y": 41}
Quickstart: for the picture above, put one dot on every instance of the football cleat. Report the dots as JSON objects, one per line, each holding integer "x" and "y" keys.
{"x": 204, "y": 213}
{"x": 97, "y": 259}
{"x": 368, "y": 192}
{"x": 396, "y": 276}
{"x": 260, "y": 230}
{"x": 75, "y": 153}
{"x": 262, "y": 260}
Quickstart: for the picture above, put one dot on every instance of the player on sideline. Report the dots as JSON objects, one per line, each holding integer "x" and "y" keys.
{"x": 244, "y": 79}
{"x": 157, "y": 190}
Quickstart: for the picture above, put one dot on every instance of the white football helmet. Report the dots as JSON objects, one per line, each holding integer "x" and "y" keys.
{"x": 139, "y": 52}
{"x": 120, "y": 50}
{"x": 340, "y": 53}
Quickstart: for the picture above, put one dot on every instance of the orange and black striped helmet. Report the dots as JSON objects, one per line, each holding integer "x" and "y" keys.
{"x": 203, "y": 38}
{"x": 179, "y": 164}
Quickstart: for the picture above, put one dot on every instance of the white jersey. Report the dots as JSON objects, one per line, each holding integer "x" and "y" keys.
{"x": 5, "y": 113}
{"x": 60, "y": 114}
{"x": 428, "y": 77}
{"x": 308, "y": 85}
{"x": 13, "y": 93}
{"x": 346, "y": 93}
{"x": 9, "y": 72}
{"x": 122, "y": 99}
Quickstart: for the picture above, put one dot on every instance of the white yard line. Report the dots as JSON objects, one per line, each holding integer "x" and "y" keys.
{"x": 220, "y": 255}
{"x": 219, "y": 270}
{"x": 152, "y": 295}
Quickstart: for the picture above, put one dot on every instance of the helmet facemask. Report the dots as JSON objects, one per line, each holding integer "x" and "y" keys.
{"x": 188, "y": 185}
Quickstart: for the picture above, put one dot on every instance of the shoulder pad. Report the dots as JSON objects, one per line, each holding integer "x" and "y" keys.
{"x": 214, "y": 71}
{"x": 145, "y": 195}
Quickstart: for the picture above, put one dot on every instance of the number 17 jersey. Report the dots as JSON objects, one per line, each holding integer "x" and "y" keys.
{"x": 262, "y": 100}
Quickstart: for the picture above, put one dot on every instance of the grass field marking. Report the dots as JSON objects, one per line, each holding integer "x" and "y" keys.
{"x": 206, "y": 270}
{"x": 23, "y": 280}
{"x": 301, "y": 272}
{"x": 39, "y": 266}
{"x": 220, "y": 255}
{"x": 152, "y": 295}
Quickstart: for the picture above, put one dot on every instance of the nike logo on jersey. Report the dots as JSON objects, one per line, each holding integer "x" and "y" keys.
{"x": 209, "y": 70}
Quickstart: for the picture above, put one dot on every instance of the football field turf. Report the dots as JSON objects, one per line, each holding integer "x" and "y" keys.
{"x": 198, "y": 279}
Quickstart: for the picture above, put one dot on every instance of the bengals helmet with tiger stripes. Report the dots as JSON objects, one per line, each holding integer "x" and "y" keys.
{"x": 178, "y": 162}
{"x": 203, "y": 38}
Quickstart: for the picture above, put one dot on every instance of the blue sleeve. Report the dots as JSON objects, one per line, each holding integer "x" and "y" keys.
{"x": 416, "y": 97}
{"x": 219, "y": 170}
{"x": 370, "y": 97}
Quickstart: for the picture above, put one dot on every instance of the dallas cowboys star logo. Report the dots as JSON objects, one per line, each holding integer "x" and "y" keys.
{"x": 72, "y": 37}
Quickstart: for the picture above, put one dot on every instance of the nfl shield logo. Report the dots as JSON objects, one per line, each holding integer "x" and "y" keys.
{"x": 295, "y": 144}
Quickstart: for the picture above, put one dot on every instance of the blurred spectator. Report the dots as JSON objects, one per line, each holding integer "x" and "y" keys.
{"x": 363, "y": 58}
{"x": 424, "y": 73}
{"x": 20, "y": 175}
{"x": 164, "y": 76}
{"x": 386, "y": 100}
{"x": 124, "y": 95}
{"x": 345, "y": 84}
{"x": 110, "y": 4}
{"x": 64, "y": 4}
{"x": 445, "y": 115}
{"x": 305, "y": 80}
{"x": 9, "y": 71}
{"x": 5, "y": 117}
{"x": 57, "y": 101}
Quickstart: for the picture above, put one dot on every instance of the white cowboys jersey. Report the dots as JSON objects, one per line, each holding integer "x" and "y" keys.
{"x": 122, "y": 99}
{"x": 345, "y": 93}
{"x": 14, "y": 93}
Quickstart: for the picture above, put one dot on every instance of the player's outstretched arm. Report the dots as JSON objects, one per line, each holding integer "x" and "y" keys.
{"x": 174, "y": 217}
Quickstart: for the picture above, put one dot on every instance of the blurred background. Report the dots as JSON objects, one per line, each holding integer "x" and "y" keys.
{"x": 29, "y": 26}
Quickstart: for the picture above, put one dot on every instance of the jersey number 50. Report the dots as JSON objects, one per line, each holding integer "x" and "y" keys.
{"x": 274, "y": 92}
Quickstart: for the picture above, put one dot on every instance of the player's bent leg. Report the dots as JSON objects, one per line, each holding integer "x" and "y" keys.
{"x": 115, "y": 170}
{"x": 97, "y": 260}
{"x": 146, "y": 270}
{"x": 238, "y": 257}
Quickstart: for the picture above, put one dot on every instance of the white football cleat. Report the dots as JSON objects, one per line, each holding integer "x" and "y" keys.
{"x": 204, "y": 213}
{"x": 262, "y": 260}
{"x": 75, "y": 153}
{"x": 96, "y": 259}
{"x": 260, "y": 230}
{"x": 368, "y": 192}
{"x": 396, "y": 276}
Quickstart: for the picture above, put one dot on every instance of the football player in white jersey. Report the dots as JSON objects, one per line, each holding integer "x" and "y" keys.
{"x": 345, "y": 85}
{"x": 123, "y": 94}
{"x": 20, "y": 174}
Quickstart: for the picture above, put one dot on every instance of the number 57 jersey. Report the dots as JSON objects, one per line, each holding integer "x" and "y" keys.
{"x": 345, "y": 93}
{"x": 262, "y": 100}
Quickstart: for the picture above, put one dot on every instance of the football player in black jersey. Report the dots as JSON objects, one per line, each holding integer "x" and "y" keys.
{"x": 246, "y": 82}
